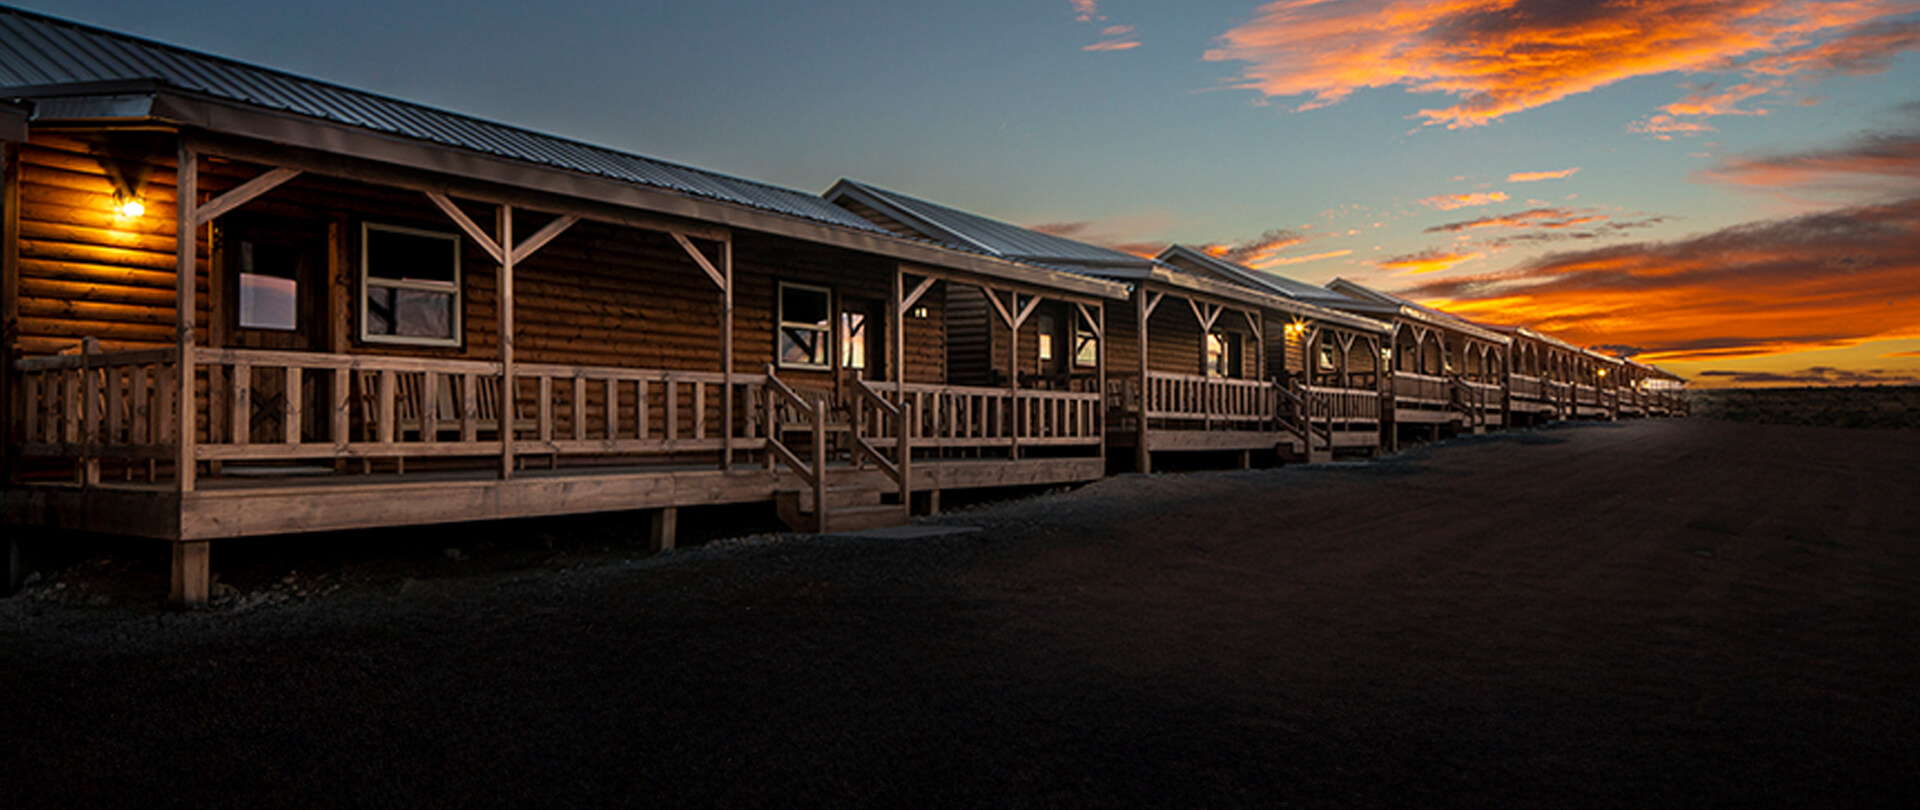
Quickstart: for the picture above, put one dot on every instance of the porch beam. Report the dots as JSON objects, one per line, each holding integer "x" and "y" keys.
{"x": 473, "y": 231}
{"x": 897, "y": 362}
{"x": 713, "y": 273}
{"x": 1152, "y": 304}
{"x": 242, "y": 194}
{"x": 186, "y": 253}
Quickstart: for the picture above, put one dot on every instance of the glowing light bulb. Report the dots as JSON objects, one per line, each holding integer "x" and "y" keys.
{"x": 132, "y": 208}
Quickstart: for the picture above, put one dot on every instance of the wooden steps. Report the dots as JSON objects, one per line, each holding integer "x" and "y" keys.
{"x": 848, "y": 509}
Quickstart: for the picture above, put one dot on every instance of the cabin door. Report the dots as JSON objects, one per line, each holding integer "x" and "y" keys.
{"x": 273, "y": 274}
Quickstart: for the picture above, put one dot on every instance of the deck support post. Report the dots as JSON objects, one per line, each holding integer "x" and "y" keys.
{"x": 665, "y": 527}
{"x": 186, "y": 254}
{"x": 192, "y": 580}
{"x": 1142, "y": 457}
{"x": 726, "y": 355}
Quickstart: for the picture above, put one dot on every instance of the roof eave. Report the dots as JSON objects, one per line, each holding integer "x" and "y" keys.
{"x": 224, "y": 117}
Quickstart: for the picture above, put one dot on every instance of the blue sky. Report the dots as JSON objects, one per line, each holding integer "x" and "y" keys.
{"x": 999, "y": 107}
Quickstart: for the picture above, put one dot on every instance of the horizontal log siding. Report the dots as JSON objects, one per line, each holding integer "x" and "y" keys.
{"x": 970, "y": 323}
{"x": 86, "y": 271}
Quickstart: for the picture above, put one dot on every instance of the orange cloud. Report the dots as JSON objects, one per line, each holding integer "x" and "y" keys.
{"x": 1282, "y": 261}
{"x": 1533, "y": 218}
{"x": 1890, "y": 355}
{"x": 1116, "y": 30}
{"x": 1426, "y": 261}
{"x": 1112, "y": 45}
{"x": 1826, "y": 280}
{"x": 1534, "y": 177}
{"x": 1448, "y": 202}
{"x": 1499, "y": 57}
{"x": 1253, "y": 251}
{"x": 1816, "y": 375}
{"x": 1874, "y": 163}
{"x": 1087, "y": 232}
{"x": 1085, "y": 10}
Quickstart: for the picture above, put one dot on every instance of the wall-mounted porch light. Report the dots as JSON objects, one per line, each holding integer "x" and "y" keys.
{"x": 128, "y": 204}
{"x": 917, "y": 312}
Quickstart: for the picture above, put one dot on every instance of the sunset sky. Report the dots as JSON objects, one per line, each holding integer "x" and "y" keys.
{"x": 1729, "y": 189}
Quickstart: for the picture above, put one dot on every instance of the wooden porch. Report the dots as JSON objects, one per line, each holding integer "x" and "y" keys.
{"x": 293, "y": 441}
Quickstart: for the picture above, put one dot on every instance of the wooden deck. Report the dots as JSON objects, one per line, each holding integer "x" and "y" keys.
{"x": 294, "y": 441}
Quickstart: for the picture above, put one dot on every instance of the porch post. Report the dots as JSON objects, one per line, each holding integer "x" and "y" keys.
{"x": 503, "y": 236}
{"x": 1100, "y": 379}
{"x": 898, "y": 324}
{"x": 1142, "y": 457}
{"x": 186, "y": 250}
{"x": 10, "y": 296}
{"x": 726, "y": 352}
{"x": 1013, "y": 383}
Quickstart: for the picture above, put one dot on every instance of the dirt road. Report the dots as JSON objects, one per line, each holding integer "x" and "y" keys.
{"x": 1656, "y": 613}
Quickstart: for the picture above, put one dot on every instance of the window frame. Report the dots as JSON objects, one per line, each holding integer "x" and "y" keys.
{"x": 457, "y": 326}
{"x": 781, "y": 324}
{"x": 1232, "y": 364}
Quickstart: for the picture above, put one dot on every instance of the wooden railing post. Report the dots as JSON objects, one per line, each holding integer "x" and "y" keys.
{"x": 820, "y": 465}
{"x": 903, "y": 461}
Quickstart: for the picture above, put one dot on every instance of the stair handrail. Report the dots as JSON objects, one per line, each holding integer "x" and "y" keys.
{"x": 814, "y": 474}
{"x": 900, "y": 466}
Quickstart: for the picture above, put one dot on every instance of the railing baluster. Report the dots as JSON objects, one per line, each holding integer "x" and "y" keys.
{"x": 470, "y": 409}
{"x": 579, "y": 408}
{"x": 699, "y": 410}
{"x": 141, "y": 430}
{"x": 640, "y": 409}
{"x": 546, "y": 409}
{"x": 671, "y": 409}
{"x": 293, "y": 401}
{"x": 387, "y": 413}
{"x": 342, "y": 416}
{"x": 240, "y": 416}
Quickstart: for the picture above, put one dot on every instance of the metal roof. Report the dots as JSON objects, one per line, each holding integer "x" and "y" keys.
{"x": 1368, "y": 299}
{"x": 975, "y": 232}
{"x": 45, "y": 57}
{"x": 1298, "y": 290}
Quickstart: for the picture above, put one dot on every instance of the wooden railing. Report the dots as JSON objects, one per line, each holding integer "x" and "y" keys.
{"x": 1210, "y": 399}
{"x": 94, "y": 406}
{"x": 1421, "y": 389}
{"x": 1521, "y": 386}
{"x": 1480, "y": 396}
{"x": 1586, "y": 396}
{"x": 1340, "y": 405}
{"x": 876, "y": 418}
{"x": 263, "y": 405}
{"x": 959, "y": 416}
{"x": 814, "y": 471}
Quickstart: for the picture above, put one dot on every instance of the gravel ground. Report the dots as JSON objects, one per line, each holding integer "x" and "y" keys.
{"x": 1668, "y": 612}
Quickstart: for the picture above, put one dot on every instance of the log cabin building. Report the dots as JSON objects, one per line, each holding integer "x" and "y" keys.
{"x": 1199, "y": 361}
{"x": 1330, "y": 361}
{"x": 1540, "y": 377}
{"x": 239, "y": 302}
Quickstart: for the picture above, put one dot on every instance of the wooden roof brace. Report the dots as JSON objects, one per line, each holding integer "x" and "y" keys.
{"x": 242, "y": 194}
{"x": 921, "y": 289}
{"x": 1092, "y": 322}
{"x": 713, "y": 273}
{"x": 466, "y": 224}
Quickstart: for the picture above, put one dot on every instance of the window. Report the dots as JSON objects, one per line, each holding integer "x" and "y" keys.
{"x": 1086, "y": 348}
{"x": 411, "y": 283}
{"x": 1223, "y": 354}
{"x": 1046, "y": 340}
{"x": 853, "y": 339}
{"x": 269, "y": 285}
{"x": 805, "y": 327}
